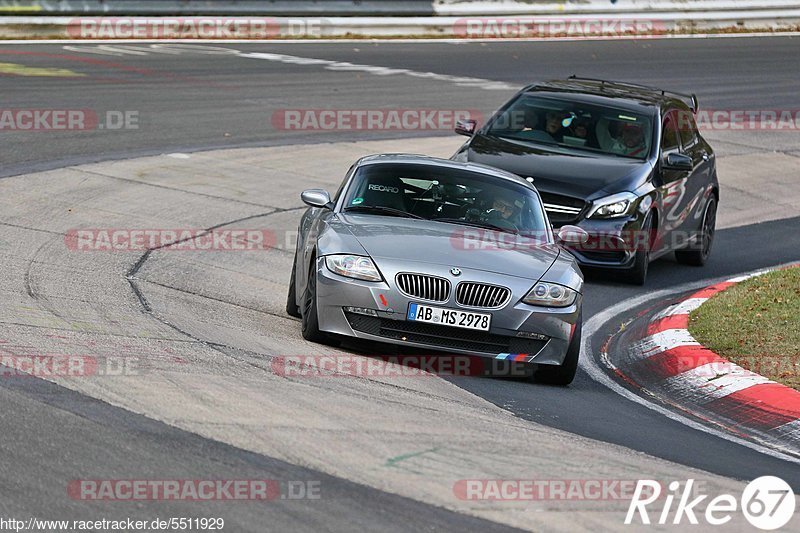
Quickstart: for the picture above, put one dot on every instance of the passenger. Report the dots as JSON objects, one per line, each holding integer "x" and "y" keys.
{"x": 622, "y": 138}
{"x": 530, "y": 119}
{"x": 553, "y": 126}
{"x": 532, "y": 128}
{"x": 582, "y": 129}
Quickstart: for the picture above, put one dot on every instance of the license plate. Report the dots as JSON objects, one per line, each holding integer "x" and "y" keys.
{"x": 449, "y": 317}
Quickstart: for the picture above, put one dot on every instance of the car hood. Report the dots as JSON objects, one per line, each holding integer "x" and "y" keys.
{"x": 454, "y": 245}
{"x": 582, "y": 175}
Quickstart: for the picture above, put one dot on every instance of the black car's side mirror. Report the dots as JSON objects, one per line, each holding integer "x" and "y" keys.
{"x": 317, "y": 198}
{"x": 676, "y": 161}
{"x": 466, "y": 127}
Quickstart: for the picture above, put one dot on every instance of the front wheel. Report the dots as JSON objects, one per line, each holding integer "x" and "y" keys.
{"x": 697, "y": 256}
{"x": 310, "y": 324}
{"x": 563, "y": 374}
{"x": 292, "y": 309}
{"x": 637, "y": 274}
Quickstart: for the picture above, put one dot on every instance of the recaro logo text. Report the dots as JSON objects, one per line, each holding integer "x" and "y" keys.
{"x": 384, "y": 188}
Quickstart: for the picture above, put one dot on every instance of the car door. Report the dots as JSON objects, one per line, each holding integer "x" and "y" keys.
{"x": 672, "y": 183}
{"x": 700, "y": 178}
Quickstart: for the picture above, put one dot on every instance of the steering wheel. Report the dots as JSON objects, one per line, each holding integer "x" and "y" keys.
{"x": 494, "y": 217}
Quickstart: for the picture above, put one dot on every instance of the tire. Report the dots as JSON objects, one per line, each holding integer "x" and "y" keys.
{"x": 292, "y": 309}
{"x": 310, "y": 319}
{"x": 310, "y": 316}
{"x": 563, "y": 374}
{"x": 637, "y": 274}
{"x": 698, "y": 256}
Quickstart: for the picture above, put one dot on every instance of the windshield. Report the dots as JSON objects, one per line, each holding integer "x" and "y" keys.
{"x": 575, "y": 126}
{"x": 447, "y": 195}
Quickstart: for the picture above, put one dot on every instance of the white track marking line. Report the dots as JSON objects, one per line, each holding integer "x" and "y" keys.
{"x": 665, "y": 340}
{"x": 712, "y": 381}
{"x": 739, "y": 279}
{"x": 790, "y": 430}
{"x": 461, "y": 81}
{"x": 592, "y": 368}
{"x": 682, "y": 308}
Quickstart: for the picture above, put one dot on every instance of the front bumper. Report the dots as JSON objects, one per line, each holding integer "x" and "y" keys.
{"x": 555, "y": 326}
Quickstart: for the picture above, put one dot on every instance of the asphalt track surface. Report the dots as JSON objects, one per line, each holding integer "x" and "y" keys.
{"x": 194, "y": 101}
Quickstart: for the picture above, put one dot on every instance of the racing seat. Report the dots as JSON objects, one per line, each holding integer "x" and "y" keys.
{"x": 385, "y": 191}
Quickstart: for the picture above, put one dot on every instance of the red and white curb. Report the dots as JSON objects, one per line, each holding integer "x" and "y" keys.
{"x": 699, "y": 379}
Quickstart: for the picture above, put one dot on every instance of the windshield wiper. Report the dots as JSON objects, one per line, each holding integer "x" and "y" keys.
{"x": 383, "y": 210}
{"x": 486, "y": 225}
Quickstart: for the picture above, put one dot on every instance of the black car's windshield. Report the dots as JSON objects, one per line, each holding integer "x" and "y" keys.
{"x": 575, "y": 126}
{"x": 449, "y": 195}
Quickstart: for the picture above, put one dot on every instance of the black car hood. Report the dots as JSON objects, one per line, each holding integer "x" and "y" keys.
{"x": 581, "y": 175}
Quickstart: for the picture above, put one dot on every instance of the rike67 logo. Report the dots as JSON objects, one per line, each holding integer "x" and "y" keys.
{"x": 767, "y": 503}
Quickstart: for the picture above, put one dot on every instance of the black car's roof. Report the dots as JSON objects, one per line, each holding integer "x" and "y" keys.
{"x": 447, "y": 163}
{"x": 616, "y": 94}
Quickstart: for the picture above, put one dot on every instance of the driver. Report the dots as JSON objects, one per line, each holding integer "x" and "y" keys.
{"x": 504, "y": 211}
{"x": 632, "y": 139}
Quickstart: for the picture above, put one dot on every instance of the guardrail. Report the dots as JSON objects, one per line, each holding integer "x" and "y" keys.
{"x": 477, "y": 19}
{"x": 219, "y": 7}
{"x": 574, "y": 7}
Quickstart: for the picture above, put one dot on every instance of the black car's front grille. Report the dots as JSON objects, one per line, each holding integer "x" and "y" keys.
{"x": 604, "y": 256}
{"x": 442, "y": 336}
{"x": 562, "y": 210}
{"x": 483, "y": 295}
{"x": 432, "y": 288}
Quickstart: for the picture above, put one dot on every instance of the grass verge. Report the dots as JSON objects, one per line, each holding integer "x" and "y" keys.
{"x": 756, "y": 324}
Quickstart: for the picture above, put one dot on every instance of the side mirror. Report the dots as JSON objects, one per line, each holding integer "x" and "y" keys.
{"x": 573, "y": 235}
{"x": 676, "y": 161}
{"x": 316, "y": 198}
{"x": 466, "y": 127}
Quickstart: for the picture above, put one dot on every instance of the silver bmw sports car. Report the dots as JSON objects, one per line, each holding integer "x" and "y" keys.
{"x": 436, "y": 254}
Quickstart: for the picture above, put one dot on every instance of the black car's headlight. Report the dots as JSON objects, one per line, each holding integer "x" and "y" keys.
{"x": 550, "y": 295}
{"x": 616, "y": 205}
{"x": 353, "y": 266}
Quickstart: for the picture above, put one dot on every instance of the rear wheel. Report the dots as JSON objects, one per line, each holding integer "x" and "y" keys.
{"x": 698, "y": 254}
{"x": 563, "y": 374}
{"x": 637, "y": 274}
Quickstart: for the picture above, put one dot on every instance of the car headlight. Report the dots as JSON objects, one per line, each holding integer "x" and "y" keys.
{"x": 550, "y": 295}
{"x": 353, "y": 266}
{"x": 616, "y": 205}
